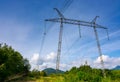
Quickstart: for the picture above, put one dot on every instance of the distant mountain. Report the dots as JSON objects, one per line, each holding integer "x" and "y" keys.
{"x": 52, "y": 71}
{"x": 116, "y": 68}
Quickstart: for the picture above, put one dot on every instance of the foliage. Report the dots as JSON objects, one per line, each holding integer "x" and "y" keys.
{"x": 81, "y": 74}
{"x": 115, "y": 74}
{"x": 87, "y": 74}
{"x": 11, "y": 62}
{"x": 34, "y": 73}
{"x": 43, "y": 73}
{"x": 37, "y": 74}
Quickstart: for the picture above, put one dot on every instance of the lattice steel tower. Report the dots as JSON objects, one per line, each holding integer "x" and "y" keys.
{"x": 64, "y": 20}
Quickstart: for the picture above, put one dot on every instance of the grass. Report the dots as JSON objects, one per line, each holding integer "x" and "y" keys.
{"x": 55, "y": 79}
{"x": 50, "y": 79}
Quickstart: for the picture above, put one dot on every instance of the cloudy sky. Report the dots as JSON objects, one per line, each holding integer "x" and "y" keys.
{"x": 22, "y": 26}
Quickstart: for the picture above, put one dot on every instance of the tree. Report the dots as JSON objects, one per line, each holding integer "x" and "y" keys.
{"x": 34, "y": 73}
{"x": 26, "y": 66}
{"x": 43, "y": 73}
{"x": 11, "y": 62}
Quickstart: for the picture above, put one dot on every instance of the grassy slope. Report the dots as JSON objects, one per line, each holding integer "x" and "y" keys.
{"x": 54, "y": 79}
{"x": 50, "y": 79}
{"x": 61, "y": 79}
{"x": 115, "y": 77}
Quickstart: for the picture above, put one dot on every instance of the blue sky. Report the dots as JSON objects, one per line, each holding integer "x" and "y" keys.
{"x": 22, "y": 27}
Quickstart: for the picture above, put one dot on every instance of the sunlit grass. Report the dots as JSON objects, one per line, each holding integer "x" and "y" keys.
{"x": 51, "y": 79}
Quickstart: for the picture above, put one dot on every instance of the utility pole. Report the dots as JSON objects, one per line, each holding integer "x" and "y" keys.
{"x": 64, "y": 20}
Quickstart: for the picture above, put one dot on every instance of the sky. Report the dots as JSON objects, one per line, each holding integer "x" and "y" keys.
{"x": 22, "y": 26}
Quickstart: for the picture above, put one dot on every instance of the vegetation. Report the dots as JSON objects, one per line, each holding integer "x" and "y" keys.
{"x": 36, "y": 74}
{"x": 12, "y": 63}
{"x": 82, "y": 74}
{"x": 14, "y": 68}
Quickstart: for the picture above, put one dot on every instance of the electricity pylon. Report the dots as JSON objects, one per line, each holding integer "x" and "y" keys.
{"x": 64, "y": 20}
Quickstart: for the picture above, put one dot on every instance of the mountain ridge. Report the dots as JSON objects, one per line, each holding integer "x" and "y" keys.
{"x": 49, "y": 71}
{"x": 116, "y": 68}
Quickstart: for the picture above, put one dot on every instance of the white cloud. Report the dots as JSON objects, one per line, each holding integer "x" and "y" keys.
{"x": 50, "y": 57}
{"x": 35, "y": 57}
{"x": 109, "y": 62}
{"x": 48, "y": 61}
{"x": 44, "y": 61}
{"x": 104, "y": 57}
{"x": 43, "y": 66}
{"x": 36, "y": 60}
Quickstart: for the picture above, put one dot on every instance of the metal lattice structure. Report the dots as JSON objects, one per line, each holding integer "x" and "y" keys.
{"x": 62, "y": 20}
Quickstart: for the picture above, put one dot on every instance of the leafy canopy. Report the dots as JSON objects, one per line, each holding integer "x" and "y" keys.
{"x": 11, "y": 62}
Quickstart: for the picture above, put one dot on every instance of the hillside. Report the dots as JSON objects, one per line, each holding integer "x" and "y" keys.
{"x": 116, "y": 68}
{"x": 52, "y": 71}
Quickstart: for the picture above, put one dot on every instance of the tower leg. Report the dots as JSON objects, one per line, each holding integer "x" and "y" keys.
{"x": 59, "y": 46}
{"x": 100, "y": 52}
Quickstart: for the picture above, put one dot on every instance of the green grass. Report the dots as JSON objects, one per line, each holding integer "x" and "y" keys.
{"x": 57, "y": 79}
{"x": 50, "y": 79}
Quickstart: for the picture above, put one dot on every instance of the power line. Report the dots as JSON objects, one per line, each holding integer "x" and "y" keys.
{"x": 67, "y": 51}
{"x": 64, "y": 20}
{"x": 43, "y": 39}
{"x": 67, "y": 4}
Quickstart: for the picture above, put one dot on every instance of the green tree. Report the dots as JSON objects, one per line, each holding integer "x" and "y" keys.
{"x": 34, "y": 73}
{"x": 11, "y": 62}
{"x": 42, "y": 73}
{"x": 26, "y": 66}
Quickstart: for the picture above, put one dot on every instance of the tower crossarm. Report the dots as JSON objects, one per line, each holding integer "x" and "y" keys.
{"x": 99, "y": 26}
{"x": 53, "y": 19}
{"x": 59, "y": 13}
{"x": 92, "y": 24}
{"x": 76, "y": 22}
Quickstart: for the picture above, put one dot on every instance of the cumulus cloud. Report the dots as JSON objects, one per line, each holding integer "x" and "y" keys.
{"x": 44, "y": 61}
{"x": 49, "y": 61}
{"x": 50, "y": 57}
{"x": 109, "y": 62}
{"x": 36, "y": 59}
{"x": 104, "y": 57}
